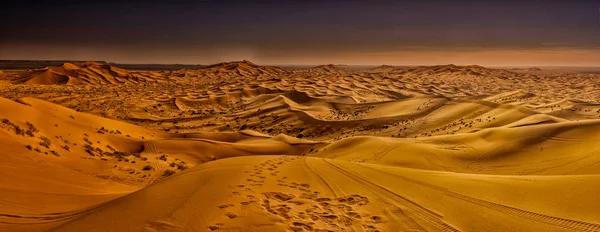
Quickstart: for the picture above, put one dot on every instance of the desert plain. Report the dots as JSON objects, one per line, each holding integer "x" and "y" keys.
{"x": 237, "y": 146}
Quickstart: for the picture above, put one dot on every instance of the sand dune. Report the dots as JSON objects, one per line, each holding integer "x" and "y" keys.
{"x": 238, "y": 146}
{"x": 83, "y": 73}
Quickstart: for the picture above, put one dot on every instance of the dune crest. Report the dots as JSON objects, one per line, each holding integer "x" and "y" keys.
{"x": 82, "y": 73}
{"x": 238, "y": 146}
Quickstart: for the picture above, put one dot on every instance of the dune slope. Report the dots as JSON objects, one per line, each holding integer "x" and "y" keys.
{"x": 238, "y": 146}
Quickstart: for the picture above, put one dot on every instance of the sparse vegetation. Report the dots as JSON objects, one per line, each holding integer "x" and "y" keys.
{"x": 45, "y": 142}
{"x": 168, "y": 172}
{"x": 31, "y": 127}
{"x": 54, "y": 152}
{"x": 90, "y": 150}
{"x": 163, "y": 157}
{"x": 19, "y": 131}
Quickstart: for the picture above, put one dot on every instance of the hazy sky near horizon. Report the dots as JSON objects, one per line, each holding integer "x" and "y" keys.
{"x": 485, "y": 32}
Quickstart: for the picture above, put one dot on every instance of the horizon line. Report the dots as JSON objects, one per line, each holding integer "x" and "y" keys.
{"x": 291, "y": 64}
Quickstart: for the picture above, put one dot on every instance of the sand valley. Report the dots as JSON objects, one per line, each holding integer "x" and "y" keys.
{"x": 238, "y": 146}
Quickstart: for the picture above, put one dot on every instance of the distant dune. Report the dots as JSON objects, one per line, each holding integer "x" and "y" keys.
{"x": 239, "y": 146}
{"x": 82, "y": 73}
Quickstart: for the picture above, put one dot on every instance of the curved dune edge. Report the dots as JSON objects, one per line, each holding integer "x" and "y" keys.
{"x": 84, "y": 73}
{"x": 238, "y": 146}
{"x": 77, "y": 180}
{"x": 435, "y": 183}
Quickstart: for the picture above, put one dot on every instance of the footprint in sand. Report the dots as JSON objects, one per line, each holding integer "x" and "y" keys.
{"x": 161, "y": 226}
{"x": 215, "y": 226}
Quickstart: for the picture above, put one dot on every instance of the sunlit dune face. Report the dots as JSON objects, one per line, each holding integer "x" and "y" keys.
{"x": 306, "y": 116}
{"x": 240, "y": 146}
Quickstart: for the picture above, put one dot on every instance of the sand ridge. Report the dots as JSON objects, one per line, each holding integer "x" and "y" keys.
{"x": 238, "y": 146}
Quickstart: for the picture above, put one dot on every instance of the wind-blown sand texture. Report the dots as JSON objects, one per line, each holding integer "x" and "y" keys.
{"x": 242, "y": 147}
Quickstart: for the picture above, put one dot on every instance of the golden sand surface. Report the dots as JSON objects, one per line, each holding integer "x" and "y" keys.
{"x": 238, "y": 146}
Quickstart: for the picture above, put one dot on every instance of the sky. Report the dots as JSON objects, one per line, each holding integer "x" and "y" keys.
{"x": 485, "y": 32}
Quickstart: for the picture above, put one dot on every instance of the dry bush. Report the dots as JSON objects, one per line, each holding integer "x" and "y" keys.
{"x": 168, "y": 172}
{"x": 31, "y": 127}
{"x": 54, "y": 153}
{"x": 45, "y": 142}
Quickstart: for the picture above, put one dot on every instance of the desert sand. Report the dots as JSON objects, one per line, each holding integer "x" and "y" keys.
{"x": 243, "y": 147}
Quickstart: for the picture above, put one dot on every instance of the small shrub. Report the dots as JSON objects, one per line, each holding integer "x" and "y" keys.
{"x": 54, "y": 153}
{"x": 102, "y": 130}
{"x": 168, "y": 172}
{"x": 31, "y": 127}
{"x": 19, "y": 131}
{"x": 29, "y": 147}
{"x": 66, "y": 147}
{"x": 147, "y": 167}
{"x": 45, "y": 142}
{"x": 163, "y": 157}
{"x": 37, "y": 149}
{"x": 5, "y": 121}
{"x": 89, "y": 149}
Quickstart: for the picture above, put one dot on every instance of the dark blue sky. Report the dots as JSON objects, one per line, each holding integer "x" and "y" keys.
{"x": 304, "y": 32}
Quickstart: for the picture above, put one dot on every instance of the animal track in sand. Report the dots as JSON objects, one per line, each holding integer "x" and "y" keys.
{"x": 231, "y": 215}
{"x": 314, "y": 213}
{"x": 161, "y": 226}
{"x": 303, "y": 208}
{"x": 215, "y": 226}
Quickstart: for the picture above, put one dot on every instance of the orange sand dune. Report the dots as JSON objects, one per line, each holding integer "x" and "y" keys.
{"x": 238, "y": 146}
{"x": 83, "y": 73}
